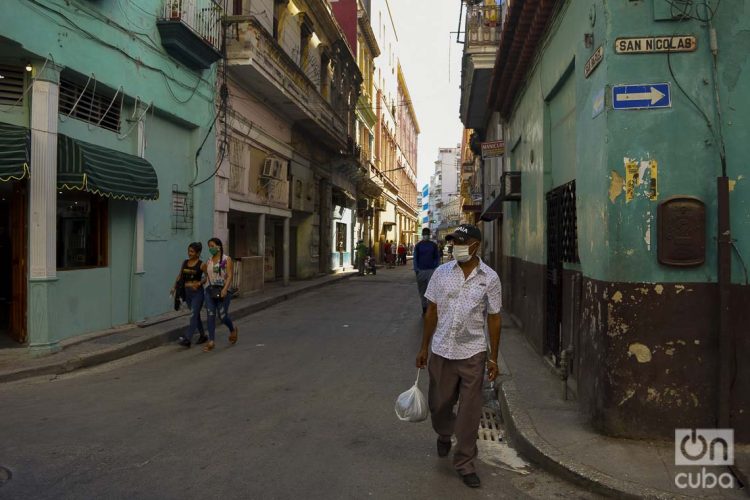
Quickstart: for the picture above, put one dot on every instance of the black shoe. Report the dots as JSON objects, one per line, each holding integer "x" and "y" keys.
{"x": 184, "y": 342}
{"x": 471, "y": 480}
{"x": 202, "y": 339}
{"x": 443, "y": 447}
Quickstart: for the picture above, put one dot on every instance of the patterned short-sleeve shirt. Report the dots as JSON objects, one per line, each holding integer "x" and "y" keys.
{"x": 462, "y": 308}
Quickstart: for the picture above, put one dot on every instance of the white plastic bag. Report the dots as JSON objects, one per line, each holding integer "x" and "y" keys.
{"x": 411, "y": 406}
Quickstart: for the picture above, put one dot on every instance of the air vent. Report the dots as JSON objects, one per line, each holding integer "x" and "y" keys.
{"x": 92, "y": 107}
{"x": 11, "y": 85}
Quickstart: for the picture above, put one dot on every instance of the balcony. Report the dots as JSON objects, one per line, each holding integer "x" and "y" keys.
{"x": 191, "y": 31}
{"x": 261, "y": 66}
{"x": 483, "y": 25}
{"x": 483, "y": 29}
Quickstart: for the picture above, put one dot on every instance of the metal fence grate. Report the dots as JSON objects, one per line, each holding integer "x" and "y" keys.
{"x": 182, "y": 209}
{"x": 11, "y": 85}
{"x": 84, "y": 103}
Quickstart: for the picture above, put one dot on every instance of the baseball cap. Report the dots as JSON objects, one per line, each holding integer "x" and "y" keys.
{"x": 463, "y": 233}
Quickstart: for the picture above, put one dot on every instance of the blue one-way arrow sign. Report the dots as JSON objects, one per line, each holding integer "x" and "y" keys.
{"x": 642, "y": 96}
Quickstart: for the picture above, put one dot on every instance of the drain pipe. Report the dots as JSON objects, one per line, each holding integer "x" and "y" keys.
{"x": 724, "y": 258}
{"x": 565, "y": 357}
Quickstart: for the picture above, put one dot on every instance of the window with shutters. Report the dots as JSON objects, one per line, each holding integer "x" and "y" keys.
{"x": 86, "y": 102}
{"x": 11, "y": 85}
{"x": 237, "y": 164}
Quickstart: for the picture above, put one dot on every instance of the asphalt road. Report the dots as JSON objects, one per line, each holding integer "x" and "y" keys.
{"x": 301, "y": 407}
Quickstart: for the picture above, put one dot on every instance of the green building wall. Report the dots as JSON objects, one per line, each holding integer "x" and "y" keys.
{"x": 644, "y": 334}
{"x": 119, "y": 44}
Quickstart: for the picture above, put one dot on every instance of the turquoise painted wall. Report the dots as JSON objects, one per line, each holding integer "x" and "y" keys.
{"x": 617, "y": 238}
{"x": 121, "y": 47}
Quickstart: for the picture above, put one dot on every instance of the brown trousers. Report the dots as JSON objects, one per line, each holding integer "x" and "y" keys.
{"x": 449, "y": 379}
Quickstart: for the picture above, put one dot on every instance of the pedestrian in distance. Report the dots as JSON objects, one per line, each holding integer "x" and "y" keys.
{"x": 401, "y": 254}
{"x": 463, "y": 296}
{"x": 189, "y": 286}
{"x": 426, "y": 259}
{"x": 388, "y": 253}
{"x": 218, "y": 271}
{"x": 361, "y": 250}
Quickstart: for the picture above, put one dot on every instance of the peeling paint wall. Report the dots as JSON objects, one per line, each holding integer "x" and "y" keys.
{"x": 645, "y": 342}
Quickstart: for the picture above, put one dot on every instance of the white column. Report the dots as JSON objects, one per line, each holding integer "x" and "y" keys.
{"x": 139, "y": 216}
{"x": 43, "y": 192}
{"x": 286, "y": 251}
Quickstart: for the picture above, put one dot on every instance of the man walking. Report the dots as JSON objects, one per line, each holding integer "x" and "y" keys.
{"x": 425, "y": 259}
{"x": 361, "y": 250}
{"x": 462, "y": 295}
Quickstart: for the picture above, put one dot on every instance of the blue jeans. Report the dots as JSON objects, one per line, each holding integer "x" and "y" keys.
{"x": 194, "y": 300}
{"x": 220, "y": 307}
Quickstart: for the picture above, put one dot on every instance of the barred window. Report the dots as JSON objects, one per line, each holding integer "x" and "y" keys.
{"x": 89, "y": 104}
{"x": 11, "y": 85}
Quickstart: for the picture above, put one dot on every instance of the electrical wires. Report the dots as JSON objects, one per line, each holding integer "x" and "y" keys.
{"x": 690, "y": 9}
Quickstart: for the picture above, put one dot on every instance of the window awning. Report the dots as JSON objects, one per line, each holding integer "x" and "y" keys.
{"x": 494, "y": 210}
{"x": 14, "y": 152}
{"x": 103, "y": 171}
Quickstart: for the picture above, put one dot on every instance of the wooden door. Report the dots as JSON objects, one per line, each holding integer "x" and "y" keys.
{"x": 19, "y": 256}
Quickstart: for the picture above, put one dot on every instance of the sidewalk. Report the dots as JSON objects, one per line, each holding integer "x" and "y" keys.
{"x": 553, "y": 434}
{"x": 101, "y": 347}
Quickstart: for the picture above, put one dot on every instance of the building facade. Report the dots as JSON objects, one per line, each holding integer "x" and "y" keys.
{"x": 445, "y": 197}
{"x": 624, "y": 221}
{"x": 100, "y": 162}
{"x": 285, "y": 193}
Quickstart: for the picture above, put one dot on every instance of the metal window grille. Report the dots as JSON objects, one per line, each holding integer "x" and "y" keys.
{"x": 182, "y": 209}
{"x": 92, "y": 107}
{"x": 563, "y": 221}
{"x": 237, "y": 166}
{"x": 11, "y": 85}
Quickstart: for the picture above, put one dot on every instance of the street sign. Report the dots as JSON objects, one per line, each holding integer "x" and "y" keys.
{"x": 492, "y": 149}
{"x": 656, "y": 44}
{"x": 593, "y": 61}
{"x": 642, "y": 96}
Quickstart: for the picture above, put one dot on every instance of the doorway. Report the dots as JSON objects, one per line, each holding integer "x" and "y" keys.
{"x": 562, "y": 247}
{"x": 13, "y": 248}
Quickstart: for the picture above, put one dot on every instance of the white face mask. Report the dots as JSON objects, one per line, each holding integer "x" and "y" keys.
{"x": 462, "y": 253}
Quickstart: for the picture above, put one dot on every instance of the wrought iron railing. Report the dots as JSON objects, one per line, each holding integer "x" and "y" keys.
{"x": 203, "y": 17}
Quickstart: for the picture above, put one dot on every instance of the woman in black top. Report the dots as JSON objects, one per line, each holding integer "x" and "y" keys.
{"x": 191, "y": 277}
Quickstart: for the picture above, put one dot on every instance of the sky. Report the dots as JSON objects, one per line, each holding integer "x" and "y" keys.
{"x": 431, "y": 62}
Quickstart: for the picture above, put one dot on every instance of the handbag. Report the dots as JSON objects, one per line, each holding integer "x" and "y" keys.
{"x": 214, "y": 291}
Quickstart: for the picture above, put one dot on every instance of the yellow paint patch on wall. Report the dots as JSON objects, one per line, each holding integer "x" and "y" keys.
{"x": 641, "y": 352}
{"x": 617, "y": 297}
{"x": 615, "y": 186}
{"x": 679, "y": 288}
{"x": 659, "y": 289}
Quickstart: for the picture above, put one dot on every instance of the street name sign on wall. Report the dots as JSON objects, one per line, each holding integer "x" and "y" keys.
{"x": 655, "y": 44}
{"x": 593, "y": 61}
{"x": 642, "y": 96}
{"x": 492, "y": 149}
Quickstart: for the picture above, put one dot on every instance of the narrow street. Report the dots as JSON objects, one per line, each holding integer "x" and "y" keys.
{"x": 301, "y": 407}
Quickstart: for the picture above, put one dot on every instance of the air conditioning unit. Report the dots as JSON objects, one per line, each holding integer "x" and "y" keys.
{"x": 379, "y": 203}
{"x": 272, "y": 168}
{"x": 510, "y": 186}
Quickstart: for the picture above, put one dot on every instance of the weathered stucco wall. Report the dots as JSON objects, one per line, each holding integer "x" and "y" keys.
{"x": 645, "y": 344}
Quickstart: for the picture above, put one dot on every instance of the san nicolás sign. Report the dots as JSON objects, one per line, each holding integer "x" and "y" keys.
{"x": 655, "y": 44}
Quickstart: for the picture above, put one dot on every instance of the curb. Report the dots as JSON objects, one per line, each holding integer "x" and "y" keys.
{"x": 168, "y": 333}
{"x": 532, "y": 445}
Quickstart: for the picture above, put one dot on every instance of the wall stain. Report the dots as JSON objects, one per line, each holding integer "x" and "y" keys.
{"x": 641, "y": 352}
{"x": 616, "y": 186}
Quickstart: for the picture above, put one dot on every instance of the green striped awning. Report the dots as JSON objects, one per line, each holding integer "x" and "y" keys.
{"x": 14, "y": 152}
{"x": 104, "y": 171}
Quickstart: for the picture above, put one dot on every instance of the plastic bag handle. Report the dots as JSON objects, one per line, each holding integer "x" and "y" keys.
{"x": 417, "y": 381}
